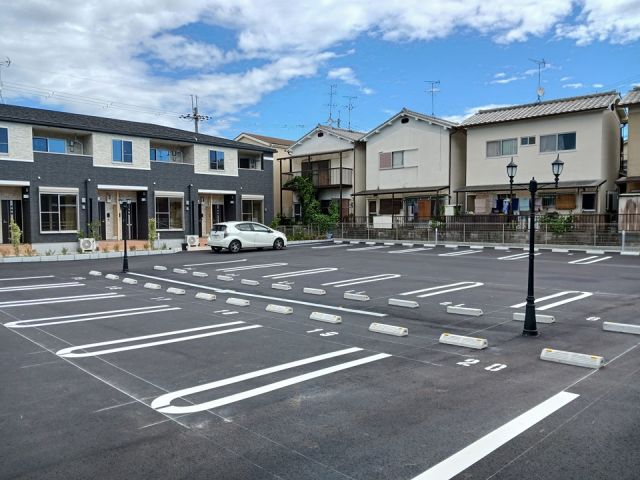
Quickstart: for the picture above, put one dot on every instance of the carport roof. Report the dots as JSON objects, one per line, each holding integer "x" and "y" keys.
{"x": 524, "y": 186}
{"x": 389, "y": 191}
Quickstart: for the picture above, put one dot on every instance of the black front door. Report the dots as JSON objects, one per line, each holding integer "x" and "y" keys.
{"x": 11, "y": 209}
{"x": 133, "y": 222}
{"x": 102, "y": 215}
{"x": 217, "y": 212}
{"x": 200, "y": 219}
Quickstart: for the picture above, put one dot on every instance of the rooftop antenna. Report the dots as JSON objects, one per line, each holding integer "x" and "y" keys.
{"x": 350, "y": 107}
{"x": 195, "y": 116}
{"x": 541, "y": 64}
{"x": 433, "y": 90}
{"x": 332, "y": 92}
{"x": 4, "y": 63}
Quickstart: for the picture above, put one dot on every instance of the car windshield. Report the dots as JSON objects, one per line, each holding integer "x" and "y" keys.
{"x": 218, "y": 228}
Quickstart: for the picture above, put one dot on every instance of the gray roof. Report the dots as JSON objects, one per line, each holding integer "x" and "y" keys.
{"x": 90, "y": 123}
{"x": 389, "y": 191}
{"x": 631, "y": 98}
{"x": 269, "y": 140}
{"x": 525, "y": 186}
{"x": 343, "y": 132}
{"x": 596, "y": 101}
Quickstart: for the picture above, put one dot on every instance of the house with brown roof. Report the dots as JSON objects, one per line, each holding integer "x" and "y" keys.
{"x": 280, "y": 145}
{"x": 584, "y": 132}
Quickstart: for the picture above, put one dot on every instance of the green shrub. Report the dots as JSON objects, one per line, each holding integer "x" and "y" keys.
{"x": 16, "y": 235}
{"x": 153, "y": 233}
{"x": 64, "y": 251}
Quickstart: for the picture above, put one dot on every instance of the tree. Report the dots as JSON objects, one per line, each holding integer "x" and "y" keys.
{"x": 310, "y": 206}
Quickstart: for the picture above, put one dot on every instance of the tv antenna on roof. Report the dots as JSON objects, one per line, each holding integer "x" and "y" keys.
{"x": 350, "y": 107}
{"x": 3, "y": 63}
{"x": 195, "y": 116}
{"x": 433, "y": 90}
{"x": 541, "y": 64}
{"x": 332, "y": 93}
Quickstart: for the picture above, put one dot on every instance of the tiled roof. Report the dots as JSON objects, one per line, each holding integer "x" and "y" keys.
{"x": 631, "y": 98}
{"x": 270, "y": 140}
{"x": 350, "y": 134}
{"x": 542, "y": 109}
{"x": 51, "y": 118}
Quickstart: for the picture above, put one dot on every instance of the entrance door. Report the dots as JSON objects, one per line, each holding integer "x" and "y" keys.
{"x": 133, "y": 222}
{"x": 424, "y": 209}
{"x": 11, "y": 209}
{"x": 200, "y": 219}
{"x": 324, "y": 176}
{"x": 217, "y": 213}
{"x": 102, "y": 218}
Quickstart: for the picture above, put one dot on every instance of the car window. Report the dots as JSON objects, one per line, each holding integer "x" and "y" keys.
{"x": 219, "y": 228}
{"x": 260, "y": 228}
{"x": 244, "y": 227}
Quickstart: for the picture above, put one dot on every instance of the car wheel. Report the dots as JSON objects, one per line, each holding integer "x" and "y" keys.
{"x": 235, "y": 246}
{"x": 216, "y": 249}
{"x": 278, "y": 244}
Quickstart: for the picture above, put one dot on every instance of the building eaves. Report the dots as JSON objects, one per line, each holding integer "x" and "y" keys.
{"x": 90, "y": 123}
{"x": 267, "y": 140}
{"x": 405, "y": 112}
{"x": 631, "y": 98}
{"x": 348, "y": 135}
{"x": 559, "y": 106}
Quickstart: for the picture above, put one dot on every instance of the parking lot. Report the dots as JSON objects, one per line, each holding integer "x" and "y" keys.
{"x": 114, "y": 380}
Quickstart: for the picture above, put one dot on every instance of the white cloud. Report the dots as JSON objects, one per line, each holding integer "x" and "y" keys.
{"x": 500, "y": 75}
{"x": 597, "y": 85}
{"x": 503, "y": 81}
{"x": 473, "y": 110}
{"x": 564, "y": 79}
{"x": 574, "y": 85}
{"x": 348, "y": 76}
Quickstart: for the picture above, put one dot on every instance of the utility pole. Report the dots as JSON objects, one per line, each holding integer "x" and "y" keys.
{"x": 433, "y": 90}
{"x": 4, "y": 63}
{"x": 195, "y": 116}
{"x": 541, "y": 64}
{"x": 332, "y": 92}
{"x": 350, "y": 107}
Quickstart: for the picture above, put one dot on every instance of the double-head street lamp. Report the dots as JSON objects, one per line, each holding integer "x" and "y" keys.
{"x": 126, "y": 214}
{"x": 530, "y": 328}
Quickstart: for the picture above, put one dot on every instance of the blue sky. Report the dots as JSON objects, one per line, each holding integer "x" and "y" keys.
{"x": 266, "y": 66}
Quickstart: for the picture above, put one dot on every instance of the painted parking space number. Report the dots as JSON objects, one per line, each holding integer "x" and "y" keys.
{"x": 496, "y": 367}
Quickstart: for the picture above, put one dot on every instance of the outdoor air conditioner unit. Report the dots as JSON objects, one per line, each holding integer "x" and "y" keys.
{"x": 192, "y": 240}
{"x": 87, "y": 244}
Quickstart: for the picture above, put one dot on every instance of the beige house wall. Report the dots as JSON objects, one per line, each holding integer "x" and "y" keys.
{"x": 633, "y": 146}
{"x": 201, "y": 160}
{"x": 20, "y": 142}
{"x": 103, "y": 152}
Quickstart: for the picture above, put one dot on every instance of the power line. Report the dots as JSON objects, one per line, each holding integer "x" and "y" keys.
{"x": 433, "y": 90}
{"x": 195, "y": 115}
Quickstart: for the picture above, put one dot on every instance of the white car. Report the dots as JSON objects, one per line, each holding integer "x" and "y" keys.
{"x": 235, "y": 236}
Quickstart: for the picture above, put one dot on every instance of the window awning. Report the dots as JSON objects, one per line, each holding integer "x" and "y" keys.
{"x": 14, "y": 183}
{"x": 525, "y": 186}
{"x": 216, "y": 192}
{"x": 164, "y": 193}
{"x": 57, "y": 190}
{"x": 252, "y": 197}
{"x": 392, "y": 191}
{"x": 130, "y": 188}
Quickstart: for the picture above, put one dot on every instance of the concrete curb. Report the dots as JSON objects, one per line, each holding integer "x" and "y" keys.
{"x": 85, "y": 256}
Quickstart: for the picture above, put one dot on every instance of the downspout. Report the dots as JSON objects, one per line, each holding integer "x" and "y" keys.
{"x": 87, "y": 205}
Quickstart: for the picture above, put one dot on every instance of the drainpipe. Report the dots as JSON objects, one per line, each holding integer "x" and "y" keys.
{"x": 87, "y": 205}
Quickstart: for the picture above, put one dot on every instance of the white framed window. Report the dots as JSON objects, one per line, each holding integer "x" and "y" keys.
{"x": 389, "y": 160}
{"x": 169, "y": 212}
{"x": 58, "y": 211}
{"x": 165, "y": 155}
{"x": 500, "y": 148}
{"x": 251, "y": 163}
{"x": 557, "y": 142}
{"x": 252, "y": 210}
{"x": 588, "y": 202}
{"x": 548, "y": 200}
{"x": 50, "y": 145}
{"x": 122, "y": 151}
{"x": 4, "y": 140}
{"x": 216, "y": 160}
{"x": 525, "y": 141}
{"x": 397, "y": 160}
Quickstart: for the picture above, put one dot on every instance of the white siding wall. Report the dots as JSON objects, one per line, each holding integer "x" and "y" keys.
{"x": 201, "y": 160}
{"x": 20, "y": 142}
{"x": 315, "y": 144}
{"x": 426, "y": 156}
{"x": 584, "y": 163}
{"x": 103, "y": 154}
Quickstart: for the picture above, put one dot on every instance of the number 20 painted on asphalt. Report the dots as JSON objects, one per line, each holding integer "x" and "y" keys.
{"x": 496, "y": 367}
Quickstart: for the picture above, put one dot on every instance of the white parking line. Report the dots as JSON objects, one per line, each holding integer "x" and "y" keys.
{"x": 377, "y": 247}
{"x": 163, "y": 403}
{"x": 299, "y": 273}
{"x": 517, "y": 256}
{"x": 356, "y": 281}
{"x": 25, "y": 278}
{"x": 42, "y": 286}
{"x": 580, "y": 296}
{"x": 457, "y": 254}
{"x": 50, "y": 300}
{"x": 440, "y": 289}
{"x": 213, "y": 263}
{"x": 479, "y": 449}
{"x": 251, "y": 267}
{"x": 422, "y": 249}
{"x": 589, "y": 260}
{"x": 332, "y": 246}
{"x": 87, "y": 317}
{"x": 264, "y": 297}
{"x": 69, "y": 352}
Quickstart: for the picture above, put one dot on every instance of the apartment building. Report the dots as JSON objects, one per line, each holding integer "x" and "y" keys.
{"x": 60, "y": 172}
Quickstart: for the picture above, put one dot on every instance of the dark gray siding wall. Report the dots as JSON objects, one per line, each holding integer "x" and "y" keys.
{"x": 55, "y": 170}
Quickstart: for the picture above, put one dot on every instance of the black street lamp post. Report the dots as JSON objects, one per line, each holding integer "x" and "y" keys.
{"x": 512, "y": 168}
{"x": 530, "y": 328}
{"x": 126, "y": 212}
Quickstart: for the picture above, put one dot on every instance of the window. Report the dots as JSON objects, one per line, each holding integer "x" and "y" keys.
{"x": 160, "y": 155}
{"x": 216, "y": 160}
{"x": 122, "y": 151}
{"x": 252, "y": 210}
{"x": 385, "y": 160}
{"x": 548, "y": 200}
{"x": 51, "y": 145}
{"x": 588, "y": 202}
{"x": 250, "y": 163}
{"x": 260, "y": 228}
{"x": 527, "y": 141}
{"x": 4, "y": 140}
{"x": 557, "y": 142}
{"x": 244, "y": 227}
{"x": 390, "y": 206}
{"x": 169, "y": 213}
{"x": 398, "y": 160}
{"x": 58, "y": 212}
{"x": 391, "y": 160}
{"x": 498, "y": 148}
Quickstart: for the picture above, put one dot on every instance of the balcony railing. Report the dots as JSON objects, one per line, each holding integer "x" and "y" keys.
{"x": 323, "y": 178}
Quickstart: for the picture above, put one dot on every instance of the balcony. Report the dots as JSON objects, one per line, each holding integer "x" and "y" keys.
{"x": 323, "y": 178}
{"x": 169, "y": 154}
{"x": 623, "y": 165}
